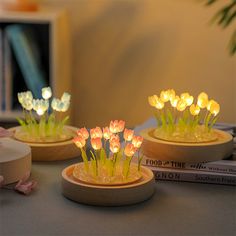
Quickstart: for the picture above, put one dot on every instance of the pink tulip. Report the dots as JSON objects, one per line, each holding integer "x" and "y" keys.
{"x": 115, "y": 146}
{"x": 79, "y": 141}
{"x": 117, "y": 126}
{"x": 114, "y": 138}
{"x": 137, "y": 141}
{"x": 5, "y": 133}
{"x": 96, "y": 133}
{"x": 128, "y": 134}
{"x": 130, "y": 149}
{"x": 1, "y": 181}
{"x": 106, "y": 133}
{"x": 96, "y": 143}
{"x": 83, "y": 132}
{"x": 24, "y": 186}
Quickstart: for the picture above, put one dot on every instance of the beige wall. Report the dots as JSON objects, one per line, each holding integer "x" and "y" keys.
{"x": 125, "y": 50}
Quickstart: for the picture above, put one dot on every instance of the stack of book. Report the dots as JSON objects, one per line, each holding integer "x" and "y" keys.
{"x": 217, "y": 172}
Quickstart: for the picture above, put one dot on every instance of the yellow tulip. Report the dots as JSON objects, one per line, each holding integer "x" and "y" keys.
{"x": 181, "y": 105}
{"x": 202, "y": 100}
{"x": 165, "y": 97}
{"x": 213, "y": 107}
{"x": 184, "y": 95}
{"x": 152, "y": 100}
{"x": 171, "y": 94}
{"x": 189, "y": 100}
{"x": 159, "y": 104}
{"x": 194, "y": 109}
{"x": 174, "y": 101}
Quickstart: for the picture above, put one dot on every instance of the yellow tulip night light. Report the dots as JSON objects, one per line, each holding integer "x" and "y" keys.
{"x": 184, "y": 119}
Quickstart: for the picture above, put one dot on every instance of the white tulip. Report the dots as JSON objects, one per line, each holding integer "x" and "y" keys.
{"x": 46, "y": 92}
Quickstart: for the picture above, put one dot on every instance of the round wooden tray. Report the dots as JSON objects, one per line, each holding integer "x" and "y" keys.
{"x": 15, "y": 160}
{"x": 98, "y": 195}
{"x": 57, "y": 151}
{"x": 187, "y": 152}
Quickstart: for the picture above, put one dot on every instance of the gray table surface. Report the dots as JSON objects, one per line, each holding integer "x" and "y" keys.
{"x": 175, "y": 209}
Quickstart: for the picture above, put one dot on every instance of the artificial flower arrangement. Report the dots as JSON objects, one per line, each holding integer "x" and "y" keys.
{"x": 110, "y": 160}
{"x": 184, "y": 119}
{"x": 48, "y": 124}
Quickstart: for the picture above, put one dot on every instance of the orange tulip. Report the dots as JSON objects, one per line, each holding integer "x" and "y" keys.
{"x": 83, "y": 132}
{"x": 137, "y": 141}
{"x": 117, "y": 126}
{"x": 115, "y": 146}
{"x": 96, "y": 143}
{"x": 128, "y": 134}
{"x": 96, "y": 133}
{"x": 79, "y": 141}
{"x": 130, "y": 149}
{"x": 106, "y": 133}
{"x": 114, "y": 138}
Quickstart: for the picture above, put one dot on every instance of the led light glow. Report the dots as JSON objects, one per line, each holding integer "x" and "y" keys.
{"x": 114, "y": 164}
{"x": 180, "y": 119}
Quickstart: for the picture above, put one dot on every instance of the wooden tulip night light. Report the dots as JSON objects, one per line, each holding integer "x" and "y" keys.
{"x": 46, "y": 128}
{"x": 108, "y": 167}
{"x": 185, "y": 130}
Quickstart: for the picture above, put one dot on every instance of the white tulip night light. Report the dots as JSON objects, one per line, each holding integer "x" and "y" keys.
{"x": 48, "y": 124}
{"x": 110, "y": 160}
{"x": 183, "y": 118}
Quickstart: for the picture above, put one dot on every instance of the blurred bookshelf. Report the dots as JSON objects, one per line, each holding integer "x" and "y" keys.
{"x": 34, "y": 52}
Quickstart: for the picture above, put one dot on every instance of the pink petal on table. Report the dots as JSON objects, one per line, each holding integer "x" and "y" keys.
{"x": 5, "y": 133}
{"x": 27, "y": 187}
{"x": 1, "y": 181}
{"x": 24, "y": 178}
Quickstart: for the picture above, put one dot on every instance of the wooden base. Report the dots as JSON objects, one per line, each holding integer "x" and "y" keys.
{"x": 53, "y": 151}
{"x": 108, "y": 195}
{"x": 15, "y": 160}
{"x": 187, "y": 152}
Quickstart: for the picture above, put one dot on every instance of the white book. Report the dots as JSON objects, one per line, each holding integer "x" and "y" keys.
{"x": 193, "y": 176}
{"x": 221, "y": 166}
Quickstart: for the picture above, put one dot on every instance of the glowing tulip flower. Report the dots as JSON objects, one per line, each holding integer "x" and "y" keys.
{"x": 184, "y": 95}
{"x": 164, "y": 96}
{"x": 24, "y": 96}
{"x": 153, "y": 100}
{"x": 202, "y": 100}
{"x": 55, "y": 104}
{"x": 115, "y": 146}
{"x": 171, "y": 94}
{"x": 96, "y": 143}
{"x": 117, "y": 126}
{"x": 79, "y": 141}
{"x": 40, "y": 106}
{"x": 159, "y": 104}
{"x": 194, "y": 110}
{"x": 114, "y": 138}
{"x": 181, "y": 105}
{"x": 65, "y": 97}
{"x": 189, "y": 100}
{"x": 46, "y": 92}
{"x": 130, "y": 149}
{"x": 213, "y": 107}
{"x": 83, "y": 132}
{"x": 106, "y": 133}
{"x": 128, "y": 134}
{"x": 96, "y": 133}
{"x": 65, "y": 106}
{"x": 137, "y": 141}
{"x": 27, "y": 104}
{"x": 174, "y": 101}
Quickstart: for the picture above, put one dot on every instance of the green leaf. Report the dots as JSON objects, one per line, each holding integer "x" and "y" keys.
{"x": 21, "y": 122}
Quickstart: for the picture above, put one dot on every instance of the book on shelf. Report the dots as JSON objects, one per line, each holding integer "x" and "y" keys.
{"x": 27, "y": 54}
{"x": 7, "y": 84}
